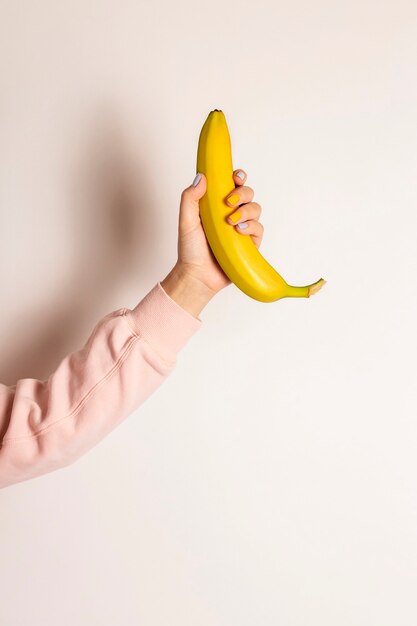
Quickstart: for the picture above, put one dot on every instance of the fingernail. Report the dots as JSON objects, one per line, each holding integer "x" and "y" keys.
{"x": 233, "y": 198}
{"x": 235, "y": 217}
{"x": 240, "y": 174}
{"x": 196, "y": 179}
{"x": 242, "y": 225}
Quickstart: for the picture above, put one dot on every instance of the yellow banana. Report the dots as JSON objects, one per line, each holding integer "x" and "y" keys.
{"x": 236, "y": 254}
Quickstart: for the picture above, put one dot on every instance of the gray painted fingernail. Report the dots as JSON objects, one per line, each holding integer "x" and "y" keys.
{"x": 240, "y": 174}
{"x": 242, "y": 225}
{"x": 196, "y": 179}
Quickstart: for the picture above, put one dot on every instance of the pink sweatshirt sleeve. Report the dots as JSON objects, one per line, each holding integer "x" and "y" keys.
{"x": 48, "y": 424}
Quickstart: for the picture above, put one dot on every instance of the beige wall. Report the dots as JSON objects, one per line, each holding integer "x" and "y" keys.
{"x": 272, "y": 479}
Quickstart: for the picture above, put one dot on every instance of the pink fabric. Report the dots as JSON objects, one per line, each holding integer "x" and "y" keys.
{"x": 48, "y": 424}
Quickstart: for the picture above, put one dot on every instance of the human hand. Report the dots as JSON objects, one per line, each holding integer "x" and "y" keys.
{"x": 195, "y": 258}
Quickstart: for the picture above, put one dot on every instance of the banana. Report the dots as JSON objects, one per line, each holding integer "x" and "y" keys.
{"x": 236, "y": 254}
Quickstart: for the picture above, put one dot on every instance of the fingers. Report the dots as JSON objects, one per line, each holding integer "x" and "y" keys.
{"x": 240, "y": 195}
{"x": 239, "y": 176}
{"x": 249, "y": 211}
{"x": 246, "y": 214}
{"x": 252, "y": 228}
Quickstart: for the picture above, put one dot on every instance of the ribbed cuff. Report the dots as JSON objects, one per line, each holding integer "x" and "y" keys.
{"x": 162, "y": 322}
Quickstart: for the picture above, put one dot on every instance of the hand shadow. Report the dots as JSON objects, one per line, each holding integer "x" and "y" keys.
{"x": 113, "y": 227}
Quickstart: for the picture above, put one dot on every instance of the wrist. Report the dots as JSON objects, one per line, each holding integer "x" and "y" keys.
{"x": 186, "y": 290}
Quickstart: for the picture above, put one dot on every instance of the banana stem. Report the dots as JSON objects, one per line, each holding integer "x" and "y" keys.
{"x": 315, "y": 287}
{"x": 304, "y": 292}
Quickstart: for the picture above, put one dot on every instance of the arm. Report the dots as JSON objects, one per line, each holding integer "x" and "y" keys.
{"x": 46, "y": 425}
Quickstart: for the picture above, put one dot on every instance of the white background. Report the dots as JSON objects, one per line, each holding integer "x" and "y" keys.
{"x": 271, "y": 480}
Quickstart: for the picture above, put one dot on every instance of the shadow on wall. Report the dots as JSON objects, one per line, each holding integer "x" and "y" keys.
{"x": 113, "y": 227}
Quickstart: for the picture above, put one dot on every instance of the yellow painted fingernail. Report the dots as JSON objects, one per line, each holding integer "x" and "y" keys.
{"x": 235, "y": 217}
{"x": 233, "y": 198}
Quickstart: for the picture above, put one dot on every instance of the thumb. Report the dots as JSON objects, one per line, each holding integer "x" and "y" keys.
{"x": 189, "y": 208}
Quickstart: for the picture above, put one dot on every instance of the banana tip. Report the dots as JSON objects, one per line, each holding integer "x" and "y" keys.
{"x": 316, "y": 287}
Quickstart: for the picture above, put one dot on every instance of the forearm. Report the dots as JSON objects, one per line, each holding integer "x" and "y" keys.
{"x": 188, "y": 292}
{"x": 48, "y": 424}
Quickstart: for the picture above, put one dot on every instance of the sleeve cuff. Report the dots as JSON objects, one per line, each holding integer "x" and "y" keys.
{"x": 163, "y": 323}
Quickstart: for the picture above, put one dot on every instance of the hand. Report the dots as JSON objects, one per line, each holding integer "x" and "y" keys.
{"x": 195, "y": 257}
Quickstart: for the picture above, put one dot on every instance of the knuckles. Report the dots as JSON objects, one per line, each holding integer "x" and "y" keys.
{"x": 248, "y": 190}
{"x": 257, "y": 206}
{"x": 251, "y": 210}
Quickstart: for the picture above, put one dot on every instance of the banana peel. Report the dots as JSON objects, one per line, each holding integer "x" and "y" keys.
{"x": 236, "y": 254}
